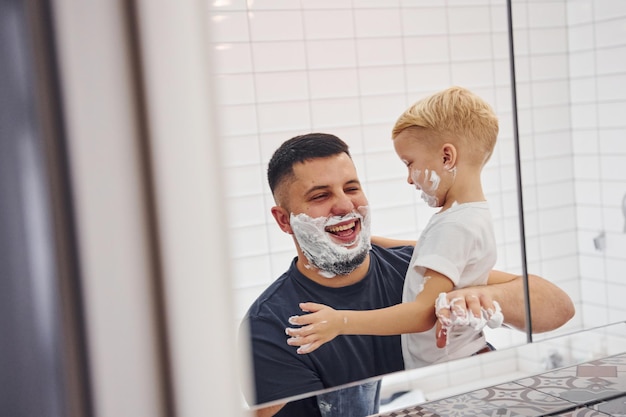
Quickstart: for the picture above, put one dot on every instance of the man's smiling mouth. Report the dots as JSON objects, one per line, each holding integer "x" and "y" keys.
{"x": 345, "y": 232}
{"x": 341, "y": 228}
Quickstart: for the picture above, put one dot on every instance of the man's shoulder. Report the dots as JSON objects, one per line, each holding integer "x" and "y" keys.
{"x": 388, "y": 263}
{"x": 280, "y": 296}
{"x": 399, "y": 253}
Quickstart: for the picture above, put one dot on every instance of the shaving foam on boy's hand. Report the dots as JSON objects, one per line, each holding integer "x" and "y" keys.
{"x": 454, "y": 313}
{"x": 495, "y": 317}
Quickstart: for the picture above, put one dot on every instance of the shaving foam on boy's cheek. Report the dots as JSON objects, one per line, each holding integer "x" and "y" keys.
{"x": 415, "y": 176}
{"x": 427, "y": 189}
{"x": 322, "y": 252}
{"x": 434, "y": 181}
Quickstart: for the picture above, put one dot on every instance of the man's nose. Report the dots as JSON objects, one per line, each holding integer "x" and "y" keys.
{"x": 343, "y": 205}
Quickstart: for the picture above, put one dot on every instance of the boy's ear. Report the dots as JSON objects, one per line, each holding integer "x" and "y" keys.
{"x": 281, "y": 215}
{"x": 448, "y": 153}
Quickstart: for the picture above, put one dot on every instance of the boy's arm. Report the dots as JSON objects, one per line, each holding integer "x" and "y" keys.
{"x": 325, "y": 323}
{"x": 550, "y": 306}
{"x": 386, "y": 242}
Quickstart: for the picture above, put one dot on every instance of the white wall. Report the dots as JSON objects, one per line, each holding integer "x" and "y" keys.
{"x": 571, "y": 73}
{"x": 350, "y": 67}
{"x": 597, "y": 40}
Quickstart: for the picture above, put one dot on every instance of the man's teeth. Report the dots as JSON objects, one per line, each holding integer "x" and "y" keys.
{"x": 335, "y": 229}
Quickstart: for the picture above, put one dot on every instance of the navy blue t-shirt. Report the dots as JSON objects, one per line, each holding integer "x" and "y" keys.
{"x": 280, "y": 372}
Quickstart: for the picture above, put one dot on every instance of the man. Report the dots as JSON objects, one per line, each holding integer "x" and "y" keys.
{"x": 319, "y": 200}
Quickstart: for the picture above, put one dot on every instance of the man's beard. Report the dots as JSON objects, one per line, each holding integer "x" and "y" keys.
{"x": 322, "y": 252}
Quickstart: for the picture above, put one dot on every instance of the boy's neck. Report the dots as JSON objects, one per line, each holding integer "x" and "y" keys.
{"x": 467, "y": 188}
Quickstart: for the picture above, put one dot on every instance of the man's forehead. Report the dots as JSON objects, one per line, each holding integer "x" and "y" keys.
{"x": 326, "y": 170}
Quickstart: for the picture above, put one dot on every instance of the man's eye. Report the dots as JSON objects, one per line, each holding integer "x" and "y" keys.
{"x": 318, "y": 196}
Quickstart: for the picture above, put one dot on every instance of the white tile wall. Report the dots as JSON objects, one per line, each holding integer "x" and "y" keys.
{"x": 350, "y": 67}
{"x": 377, "y": 23}
{"x": 279, "y": 25}
{"x": 597, "y": 35}
{"x": 320, "y": 24}
{"x": 379, "y": 51}
{"x": 342, "y": 82}
{"x": 277, "y": 56}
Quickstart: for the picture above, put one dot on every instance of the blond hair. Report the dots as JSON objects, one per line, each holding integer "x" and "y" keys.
{"x": 455, "y": 115}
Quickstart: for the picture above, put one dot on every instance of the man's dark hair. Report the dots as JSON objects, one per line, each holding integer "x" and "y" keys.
{"x": 299, "y": 149}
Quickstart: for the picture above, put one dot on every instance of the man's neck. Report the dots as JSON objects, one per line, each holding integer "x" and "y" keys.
{"x": 337, "y": 281}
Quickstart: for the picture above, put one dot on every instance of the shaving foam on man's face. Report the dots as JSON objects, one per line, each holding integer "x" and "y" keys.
{"x": 332, "y": 258}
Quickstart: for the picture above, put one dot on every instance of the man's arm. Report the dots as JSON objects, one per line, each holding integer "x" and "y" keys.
{"x": 386, "y": 242}
{"x": 550, "y": 306}
{"x": 268, "y": 411}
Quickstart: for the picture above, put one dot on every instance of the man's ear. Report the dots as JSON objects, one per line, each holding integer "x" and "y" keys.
{"x": 448, "y": 153}
{"x": 281, "y": 215}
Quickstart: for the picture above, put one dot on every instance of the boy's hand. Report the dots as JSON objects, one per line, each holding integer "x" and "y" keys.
{"x": 465, "y": 307}
{"x": 321, "y": 325}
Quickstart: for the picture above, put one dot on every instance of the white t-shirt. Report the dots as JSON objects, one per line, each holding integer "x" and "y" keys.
{"x": 460, "y": 244}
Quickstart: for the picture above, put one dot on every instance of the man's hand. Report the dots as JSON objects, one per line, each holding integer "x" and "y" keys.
{"x": 321, "y": 325}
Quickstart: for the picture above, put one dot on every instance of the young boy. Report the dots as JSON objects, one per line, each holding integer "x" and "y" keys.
{"x": 444, "y": 140}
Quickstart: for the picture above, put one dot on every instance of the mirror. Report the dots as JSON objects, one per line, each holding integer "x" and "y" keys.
{"x": 350, "y": 68}
{"x": 571, "y": 98}
{"x": 444, "y": 380}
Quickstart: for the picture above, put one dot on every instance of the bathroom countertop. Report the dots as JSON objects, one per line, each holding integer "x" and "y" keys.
{"x": 591, "y": 389}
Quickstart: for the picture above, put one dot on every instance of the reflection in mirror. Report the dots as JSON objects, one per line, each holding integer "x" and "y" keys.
{"x": 350, "y": 68}
{"x": 408, "y": 388}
